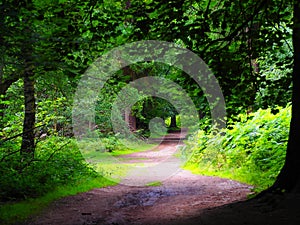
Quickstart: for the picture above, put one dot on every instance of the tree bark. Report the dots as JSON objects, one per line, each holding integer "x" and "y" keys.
{"x": 28, "y": 144}
{"x": 173, "y": 122}
{"x": 289, "y": 177}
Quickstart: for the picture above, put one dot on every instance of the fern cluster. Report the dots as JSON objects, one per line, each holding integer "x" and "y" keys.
{"x": 251, "y": 150}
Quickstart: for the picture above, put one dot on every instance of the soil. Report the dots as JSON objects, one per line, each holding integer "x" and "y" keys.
{"x": 181, "y": 198}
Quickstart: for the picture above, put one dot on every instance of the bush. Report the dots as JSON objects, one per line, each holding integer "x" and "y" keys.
{"x": 57, "y": 162}
{"x": 252, "y": 150}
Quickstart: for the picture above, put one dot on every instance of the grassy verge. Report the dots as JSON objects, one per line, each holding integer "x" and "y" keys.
{"x": 227, "y": 174}
{"x": 18, "y": 212}
{"x": 154, "y": 184}
{"x": 94, "y": 148}
{"x": 12, "y": 213}
{"x": 251, "y": 150}
{"x": 134, "y": 149}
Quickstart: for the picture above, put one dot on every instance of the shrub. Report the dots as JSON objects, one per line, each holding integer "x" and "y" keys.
{"x": 57, "y": 162}
{"x": 252, "y": 150}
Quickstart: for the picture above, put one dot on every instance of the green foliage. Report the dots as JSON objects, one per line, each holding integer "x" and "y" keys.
{"x": 155, "y": 107}
{"x": 275, "y": 72}
{"x": 57, "y": 41}
{"x": 109, "y": 144}
{"x": 17, "y": 212}
{"x": 11, "y": 111}
{"x": 228, "y": 35}
{"x": 57, "y": 161}
{"x": 154, "y": 184}
{"x": 252, "y": 150}
{"x": 53, "y": 115}
{"x": 103, "y": 108}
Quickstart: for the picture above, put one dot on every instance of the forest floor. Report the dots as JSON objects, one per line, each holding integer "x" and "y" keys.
{"x": 179, "y": 198}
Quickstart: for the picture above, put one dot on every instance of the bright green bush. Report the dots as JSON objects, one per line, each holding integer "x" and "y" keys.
{"x": 252, "y": 150}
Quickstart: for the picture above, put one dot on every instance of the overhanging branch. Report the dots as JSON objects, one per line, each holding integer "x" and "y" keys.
{"x": 231, "y": 36}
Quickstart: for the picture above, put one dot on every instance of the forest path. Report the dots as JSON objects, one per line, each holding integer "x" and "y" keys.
{"x": 180, "y": 196}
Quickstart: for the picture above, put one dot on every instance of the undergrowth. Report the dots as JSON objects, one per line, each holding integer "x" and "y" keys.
{"x": 59, "y": 168}
{"x": 251, "y": 150}
{"x": 57, "y": 161}
{"x": 17, "y": 212}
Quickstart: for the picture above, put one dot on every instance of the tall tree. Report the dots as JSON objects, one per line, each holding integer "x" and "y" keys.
{"x": 27, "y": 49}
{"x": 289, "y": 177}
{"x": 28, "y": 134}
{"x": 38, "y": 38}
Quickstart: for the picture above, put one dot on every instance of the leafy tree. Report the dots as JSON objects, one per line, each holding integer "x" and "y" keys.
{"x": 34, "y": 40}
{"x": 228, "y": 35}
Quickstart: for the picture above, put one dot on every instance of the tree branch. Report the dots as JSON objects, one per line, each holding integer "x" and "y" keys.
{"x": 57, "y": 150}
{"x": 206, "y": 10}
{"x": 9, "y": 154}
{"x": 231, "y": 36}
{"x": 18, "y": 135}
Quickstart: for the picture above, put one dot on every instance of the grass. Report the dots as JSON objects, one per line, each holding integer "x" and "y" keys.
{"x": 154, "y": 184}
{"x": 107, "y": 163}
{"x": 112, "y": 171}
{"x": 136, "y": 148}
{"x": 227, "y": 174}
{"x": 92, "y": 148}
{"x": 12, "y": 213}
{"x": 16, "y": 212}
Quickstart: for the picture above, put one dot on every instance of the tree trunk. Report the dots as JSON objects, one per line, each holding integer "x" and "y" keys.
{"x": 28, "y": 145}
{"x": 173, "y": 122}
{"x": 289, "y": 177}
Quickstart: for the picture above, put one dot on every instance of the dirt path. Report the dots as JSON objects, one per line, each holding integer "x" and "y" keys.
{"x": 180, "y": 196}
